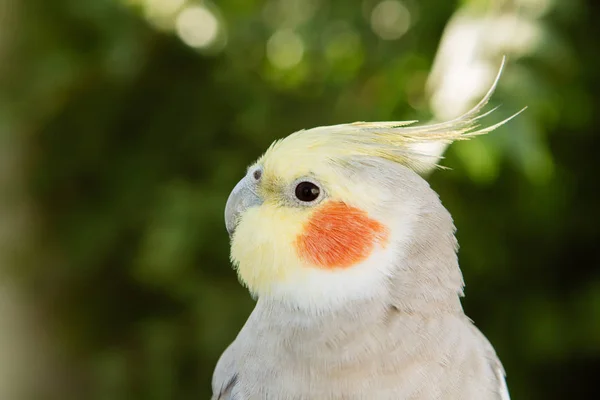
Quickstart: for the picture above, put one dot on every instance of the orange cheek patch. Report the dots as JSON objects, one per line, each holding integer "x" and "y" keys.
{"x": 339, "y": 236}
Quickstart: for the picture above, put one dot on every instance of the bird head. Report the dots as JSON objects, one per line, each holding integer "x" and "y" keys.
{"x": 327, "y": 215}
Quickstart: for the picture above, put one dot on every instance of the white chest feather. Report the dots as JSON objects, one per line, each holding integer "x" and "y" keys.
{"x": 383, "y": 355}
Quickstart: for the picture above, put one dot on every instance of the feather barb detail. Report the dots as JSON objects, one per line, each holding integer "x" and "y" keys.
{"x": 393, "y": 140}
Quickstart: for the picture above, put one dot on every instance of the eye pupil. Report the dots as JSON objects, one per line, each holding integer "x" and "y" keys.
{"x": 307, "y": 191}
{"x": 257, "y": 174}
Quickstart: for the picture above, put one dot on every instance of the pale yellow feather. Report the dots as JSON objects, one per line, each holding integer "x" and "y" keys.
{"x": 312, "y": 150}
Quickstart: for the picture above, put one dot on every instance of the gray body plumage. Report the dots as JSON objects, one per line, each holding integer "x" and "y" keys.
{"x": 411, "y": 340}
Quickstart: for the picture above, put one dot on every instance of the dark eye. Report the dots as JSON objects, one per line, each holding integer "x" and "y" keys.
{"x": 307, "y": 191}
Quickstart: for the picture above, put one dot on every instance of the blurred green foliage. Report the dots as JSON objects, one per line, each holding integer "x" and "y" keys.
{"x": 133, "y": 140}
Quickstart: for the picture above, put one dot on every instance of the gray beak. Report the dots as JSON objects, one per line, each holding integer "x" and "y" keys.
{"x": 242, "y": 197}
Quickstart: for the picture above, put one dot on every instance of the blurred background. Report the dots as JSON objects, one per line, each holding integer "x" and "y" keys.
{"x": 125, "y": 124}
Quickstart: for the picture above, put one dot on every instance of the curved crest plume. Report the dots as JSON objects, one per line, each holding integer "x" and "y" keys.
{"x": 392, "y": 140}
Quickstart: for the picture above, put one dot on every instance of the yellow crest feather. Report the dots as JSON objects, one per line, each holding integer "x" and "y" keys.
{"x": 392, "y": 140}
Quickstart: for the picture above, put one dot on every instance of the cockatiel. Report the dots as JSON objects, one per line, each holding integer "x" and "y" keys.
{"x": 352, "y": 259}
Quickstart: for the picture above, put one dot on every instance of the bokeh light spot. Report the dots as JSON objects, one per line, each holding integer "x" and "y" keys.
{"x": 390, "y": 19}
{"x": 197, "y": 26}
{"x": 341, "y": 42}
{"x": 285, "y": 49}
